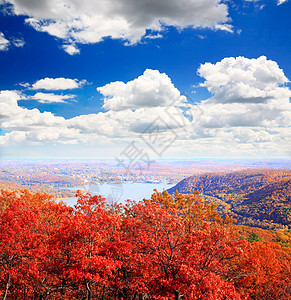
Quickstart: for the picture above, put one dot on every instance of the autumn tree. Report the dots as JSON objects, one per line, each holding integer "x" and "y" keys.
{"x": 21, "y": 241}
{"x": 86, "y": 245}
{"x": 178, "y": 251}
{"x": 269, "y": 277}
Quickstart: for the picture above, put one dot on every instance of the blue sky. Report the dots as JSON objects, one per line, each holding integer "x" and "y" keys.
{"x": 74, "y": 82}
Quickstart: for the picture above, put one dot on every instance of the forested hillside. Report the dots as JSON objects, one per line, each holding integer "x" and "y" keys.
{"x": 254, "y": 197}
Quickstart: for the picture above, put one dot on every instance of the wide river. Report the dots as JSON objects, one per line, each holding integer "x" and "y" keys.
{"x": 120, "y": 192}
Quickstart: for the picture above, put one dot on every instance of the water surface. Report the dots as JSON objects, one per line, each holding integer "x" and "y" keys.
{"x": 120, "y": 192}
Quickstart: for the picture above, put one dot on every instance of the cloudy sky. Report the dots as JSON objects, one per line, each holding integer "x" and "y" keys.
{"x": 145, "y": 78}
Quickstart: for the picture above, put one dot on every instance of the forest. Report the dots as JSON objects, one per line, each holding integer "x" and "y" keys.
{"x": 168, "y": 247}
{"x": 255, "y": 197}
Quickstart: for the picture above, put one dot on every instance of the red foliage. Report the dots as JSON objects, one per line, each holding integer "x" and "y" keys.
{"x": 166, "y": 248}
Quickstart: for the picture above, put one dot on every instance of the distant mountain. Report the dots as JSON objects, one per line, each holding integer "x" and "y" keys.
{"x": 256, "y": 197}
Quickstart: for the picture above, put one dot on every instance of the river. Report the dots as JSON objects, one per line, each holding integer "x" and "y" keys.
{"x": 120, "y": 192}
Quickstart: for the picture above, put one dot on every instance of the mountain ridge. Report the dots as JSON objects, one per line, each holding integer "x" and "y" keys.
{"x": 255, "y": 197}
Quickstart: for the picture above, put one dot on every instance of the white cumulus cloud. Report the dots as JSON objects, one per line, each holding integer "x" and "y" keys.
{"x": 14, "y": 117}
{"x": 152, "y": 89}
{"x": 248, "y": 114}
{"x": 52, "y": 98}
{"x": 54, "y": 84}
{"x": 243, "y": 80}
{"x": 71, "y": 49}
{"x": 246, "y": 92}
{"x": 90, "y": 21}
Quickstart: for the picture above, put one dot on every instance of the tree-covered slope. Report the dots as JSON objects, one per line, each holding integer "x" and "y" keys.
{"x": 255, "y": 197}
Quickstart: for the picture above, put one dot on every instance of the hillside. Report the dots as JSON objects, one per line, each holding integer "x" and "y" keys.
{"x": 36, "y": 188}
{"x": 255, "y": 197}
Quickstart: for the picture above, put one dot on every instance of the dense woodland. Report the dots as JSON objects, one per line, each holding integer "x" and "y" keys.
{"x": 168, "y": 247}
{"x": 255, "y": 197}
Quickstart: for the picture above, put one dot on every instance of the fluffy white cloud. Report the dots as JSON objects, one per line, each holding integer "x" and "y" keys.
{"x": 42, "y": 135}
{"x": 30, "y": 126}
{"x": 90, "y": 21}
{"x": 4, "y": 43}
{"x": 152, "y": 89}
{"x": 247, "y": 135}
{"x": 14, "y": 117}
{"x": 243, "y": 80}
{"x": 128, "y": 123}
{"x": 252, "y": 121}
{"x": 8, "y": 104}
{"x": 10, "y": 98}
{"x": 52, "y": 98}
{"x": 246, "y": 93}
{"x": 247, "y": 115}
{"x": 249, "y": 112}
{"x": 101, "y": 124}
{"x": 71, "y": 49}
{"x": 53, "y": 84}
